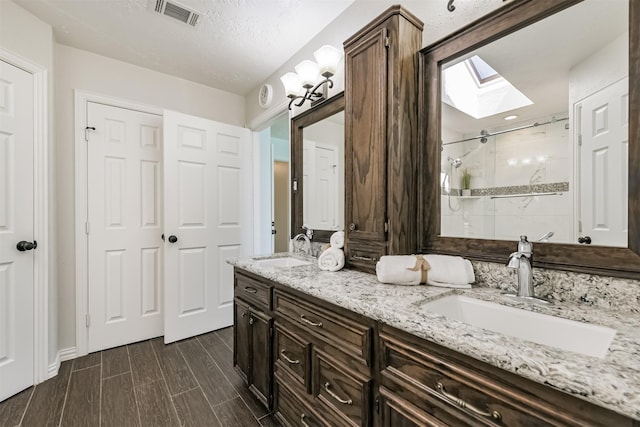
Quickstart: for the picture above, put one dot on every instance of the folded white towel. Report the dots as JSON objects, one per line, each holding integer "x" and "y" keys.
{"x": 450, "y": 271}
{"x": 337, "y": 240}
{"x": 331, "y": 260}
{"x": 399, "y": 270}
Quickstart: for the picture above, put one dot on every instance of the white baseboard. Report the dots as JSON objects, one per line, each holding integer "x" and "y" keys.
{"x": 64, "y": 354}
{"x": 67, "y": 354}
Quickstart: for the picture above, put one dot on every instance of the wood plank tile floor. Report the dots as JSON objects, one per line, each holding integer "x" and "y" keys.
{"x": 188, "y": 383}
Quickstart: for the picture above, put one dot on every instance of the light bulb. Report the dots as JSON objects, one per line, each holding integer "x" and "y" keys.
{"x": 308, "y": 72}
{"x": 328, "y": 58}
{"x": 292, "y": 84}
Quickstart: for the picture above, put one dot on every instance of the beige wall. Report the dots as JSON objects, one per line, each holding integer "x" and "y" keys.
{"x": 28, "y": 37}
{"x": 85, "y": 71}
{"x": 438, "y": 23}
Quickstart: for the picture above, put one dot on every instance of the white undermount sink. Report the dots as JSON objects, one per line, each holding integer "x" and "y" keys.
{"x": 284, "y": 262}
{"x": 584, "y": 338}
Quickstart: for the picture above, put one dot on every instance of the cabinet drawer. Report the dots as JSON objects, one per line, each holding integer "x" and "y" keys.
{"x": 398, "y": 412}
{"x": 469, "y": 393}
{"x": 253, "y": 290}
{"x": 292, "y": 354}
{"x": 365, "y": 255}
{"x": 290, "y": 409}
{"x": 345, "y": 392}
{"x": 342, "y": 333}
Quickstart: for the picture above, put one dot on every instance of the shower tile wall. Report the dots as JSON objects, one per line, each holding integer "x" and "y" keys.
{"x": 537, "y": 156}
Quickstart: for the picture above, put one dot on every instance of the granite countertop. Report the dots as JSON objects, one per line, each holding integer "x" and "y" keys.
{"x": 612, "y": 382}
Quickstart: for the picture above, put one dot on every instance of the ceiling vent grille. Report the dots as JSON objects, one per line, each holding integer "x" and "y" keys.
{"x": 177, "y": 11}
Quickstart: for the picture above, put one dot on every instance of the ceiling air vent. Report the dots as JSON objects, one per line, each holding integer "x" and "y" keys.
{"x": 177, "y": 11}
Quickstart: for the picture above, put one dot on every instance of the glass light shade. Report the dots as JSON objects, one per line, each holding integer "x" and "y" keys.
{"x": 292, "y": 84}
{"x": 328, "y": 58}
{"x": 308, "y": 72}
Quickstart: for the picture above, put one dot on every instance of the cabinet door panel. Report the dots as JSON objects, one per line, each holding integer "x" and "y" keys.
{"x": 261, "y": 366}
{"x": 366, "y": 134}
{"x": 241, "y": 338}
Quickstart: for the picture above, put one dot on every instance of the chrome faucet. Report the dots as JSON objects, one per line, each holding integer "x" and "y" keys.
{"x": 306, "y": 236}
{"x": 521, "y": 260}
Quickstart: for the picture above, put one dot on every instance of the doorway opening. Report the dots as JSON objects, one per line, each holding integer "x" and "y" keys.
{"x": 274, "y": 155}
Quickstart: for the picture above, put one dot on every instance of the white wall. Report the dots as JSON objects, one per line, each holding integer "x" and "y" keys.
{"x": 25, "y": 35}
{"x": 438, "y": 23}
{"x": 78, "y": 69}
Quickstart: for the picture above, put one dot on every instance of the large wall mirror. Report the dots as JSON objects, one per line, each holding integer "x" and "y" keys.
{"x": 317, "y": 169}
{"x": 532, "y": 128}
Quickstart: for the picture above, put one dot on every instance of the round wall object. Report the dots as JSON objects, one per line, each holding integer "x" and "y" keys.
{"x": 265, "y": 96}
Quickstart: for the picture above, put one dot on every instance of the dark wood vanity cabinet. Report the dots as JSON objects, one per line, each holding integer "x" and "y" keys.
{"x": 380, "y": 137}
{"x": 323, "y": 363}
{"x": 424, "y": 384}
{"x": 317, "y": 364}
{"x": 252, "y": 334}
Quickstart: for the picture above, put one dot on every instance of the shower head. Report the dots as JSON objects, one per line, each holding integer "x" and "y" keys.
{"x": 456, "y": 163}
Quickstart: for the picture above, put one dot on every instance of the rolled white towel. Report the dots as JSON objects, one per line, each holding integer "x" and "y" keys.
{"x": 450, "y": 271}
{"x": 337, "y": 240}
{"x": 331, "y": 260}
{"x": 400, "y": 269}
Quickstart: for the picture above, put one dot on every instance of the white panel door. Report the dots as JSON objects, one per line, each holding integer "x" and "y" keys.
{"x": 320, "y": 185}
{"x": 16, "y": 225}
{"x": 604, "y": 165}
{"x": 125, "y": 226}
{"x": 326, "y": 187}
{"x": 308, "y": 182}
{"x": 208, "y": 205}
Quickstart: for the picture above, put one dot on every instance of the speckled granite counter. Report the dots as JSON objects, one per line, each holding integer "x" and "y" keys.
{"x": 612, "y": 382}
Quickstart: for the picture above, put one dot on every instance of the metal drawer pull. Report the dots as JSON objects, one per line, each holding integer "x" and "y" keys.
{"x": 302, "y": 421}
{"x": 335, "y": 396}
{"x": 461, "y": 403}
{"x": 364, "y": 258}
{"x": 285, "y": 357}
{"x": 250, "y": 289}
{"x": 309, "y": 322}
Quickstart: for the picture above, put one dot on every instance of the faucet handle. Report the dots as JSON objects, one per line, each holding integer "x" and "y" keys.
{"x": 524, "y": 245}
{"x": 309, "y": 231}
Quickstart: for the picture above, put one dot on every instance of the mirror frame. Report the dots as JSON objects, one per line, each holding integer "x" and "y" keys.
{"x": 517, "y": 14}
{"x": 327, "y": 108}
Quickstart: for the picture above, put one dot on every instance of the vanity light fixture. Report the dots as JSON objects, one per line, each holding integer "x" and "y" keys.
{"x": 511, "y": 117}
{"x": 303, "y": 84}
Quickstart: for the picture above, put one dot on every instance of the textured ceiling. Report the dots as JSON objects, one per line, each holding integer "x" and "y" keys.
{"x": 236, "y": 45}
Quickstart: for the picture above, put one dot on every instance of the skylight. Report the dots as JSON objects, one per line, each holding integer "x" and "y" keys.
{"x": 475, "y": 88}
{"x": 482, "y": 71}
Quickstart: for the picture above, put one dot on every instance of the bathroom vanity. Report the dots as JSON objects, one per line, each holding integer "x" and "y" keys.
{"x": 343, "y": 349}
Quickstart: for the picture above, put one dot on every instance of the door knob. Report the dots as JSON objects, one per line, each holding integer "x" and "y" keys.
{"x": 172, "y": 239}
{"x": 352, "y": 226}
{"x": 26, "y": 246}
{"x": 584, "y": 240}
